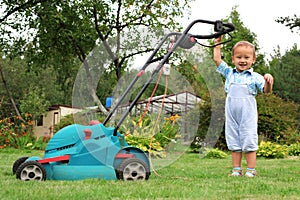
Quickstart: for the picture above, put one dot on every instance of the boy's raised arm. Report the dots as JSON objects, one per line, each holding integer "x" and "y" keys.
{"x": 217, "y": 51}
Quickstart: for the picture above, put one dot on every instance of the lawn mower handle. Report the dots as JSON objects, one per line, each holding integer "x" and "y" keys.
{"x": 220, "y": 27}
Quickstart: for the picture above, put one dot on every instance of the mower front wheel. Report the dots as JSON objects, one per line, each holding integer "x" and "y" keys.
{"x": 31, "y": 170}
{"x": 133, "y": 169}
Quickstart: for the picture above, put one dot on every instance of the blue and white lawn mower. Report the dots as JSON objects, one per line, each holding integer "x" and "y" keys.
{"x": 95, "y": 151}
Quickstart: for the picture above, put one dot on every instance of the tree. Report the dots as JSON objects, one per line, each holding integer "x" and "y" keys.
{"x": 16, "y": 81}
{"x": 8, "y": 93}
{"x": 285, "y": 69}
{"x": 34, "y": 102}
{"x": 291, "y": 22}
{"x": 62, "y": 30}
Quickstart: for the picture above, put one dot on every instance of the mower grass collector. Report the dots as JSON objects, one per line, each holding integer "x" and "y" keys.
{"x": 80, "y": 152}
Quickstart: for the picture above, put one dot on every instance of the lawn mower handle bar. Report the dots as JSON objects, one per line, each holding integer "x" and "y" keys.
{"x": 220, "y": 28}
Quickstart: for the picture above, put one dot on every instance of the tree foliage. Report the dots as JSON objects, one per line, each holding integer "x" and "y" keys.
{"x": 34, "y": 102}
{"x": 291, "y": 22}
{"x": 285, "y": 69}
{"x": 19, "y": 81}
{"x": 278, "y": 119}
{"x": 65, "y": 28}
{"x": 61, "y": 34}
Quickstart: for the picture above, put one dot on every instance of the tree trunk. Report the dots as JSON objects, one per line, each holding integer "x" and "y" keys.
{"x": 92, "y": 90}
{"x": 8, "y": 93}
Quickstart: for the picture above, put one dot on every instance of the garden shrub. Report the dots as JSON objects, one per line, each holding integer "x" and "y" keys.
{"x": 168, "y": 131}
{"x": 272, "y": 150}
{"x": 147, "y": 144}
{"x": 214, "y": 153}
{"x": 277, "y": 121}
{"x": 140, "y": 133}
{"x": 294, "y": 149}
{"x": 65, "y": 121}
{"x": 19, "y": 134}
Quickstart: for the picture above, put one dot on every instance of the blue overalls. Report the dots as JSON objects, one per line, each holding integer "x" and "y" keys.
{"x": 241, "y": 118}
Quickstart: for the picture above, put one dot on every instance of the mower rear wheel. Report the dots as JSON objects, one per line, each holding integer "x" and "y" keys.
{"x": 17, "y": 163}
{"x": 31, "y": 170}
{"x": 133, "y": 169}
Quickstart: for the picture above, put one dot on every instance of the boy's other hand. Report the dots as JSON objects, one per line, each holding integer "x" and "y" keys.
{"x": 269, "y": 78}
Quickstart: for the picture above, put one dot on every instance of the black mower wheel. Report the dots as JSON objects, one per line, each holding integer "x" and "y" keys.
{"x": 31, "y": 170}
{"x": 133, "y": 169}
{"x": 17, "y": 163}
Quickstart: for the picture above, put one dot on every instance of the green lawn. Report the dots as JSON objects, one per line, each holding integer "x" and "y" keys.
{"x": 190, "y": 177}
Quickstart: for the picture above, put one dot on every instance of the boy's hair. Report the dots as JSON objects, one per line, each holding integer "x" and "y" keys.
{"x": 243, "y": 43}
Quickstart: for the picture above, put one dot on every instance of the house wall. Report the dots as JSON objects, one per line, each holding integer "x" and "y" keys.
{"x": 46, "y": 129}
{"x": 68, "y": 110}
{"x": 53, "y": 117}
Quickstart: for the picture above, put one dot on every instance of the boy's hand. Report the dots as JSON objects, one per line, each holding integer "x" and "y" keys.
{"x": 269, "y": 83}
{"x": 269, "y": 78}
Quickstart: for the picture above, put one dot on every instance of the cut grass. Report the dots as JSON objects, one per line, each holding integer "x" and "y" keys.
{"x": 190, "y": 177}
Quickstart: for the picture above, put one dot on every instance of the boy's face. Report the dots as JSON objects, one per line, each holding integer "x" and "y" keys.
{"x": 243, "y": 58}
